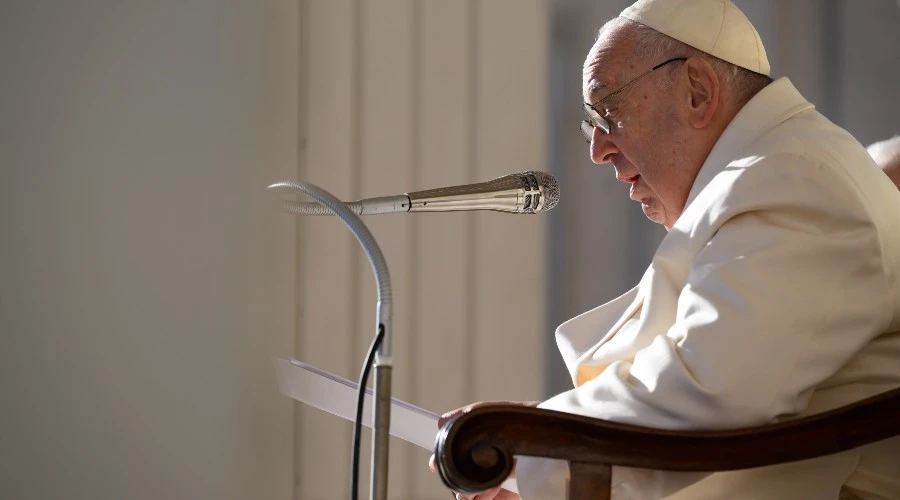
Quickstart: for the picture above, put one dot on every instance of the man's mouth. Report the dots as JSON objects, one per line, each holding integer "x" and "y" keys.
{"x": 633, "y": 180}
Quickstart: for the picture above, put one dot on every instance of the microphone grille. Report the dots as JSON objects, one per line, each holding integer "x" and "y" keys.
{"x": 549, "y": 188}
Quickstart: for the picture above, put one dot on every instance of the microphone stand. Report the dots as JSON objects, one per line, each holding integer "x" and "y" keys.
{"x": 383, "y": 360}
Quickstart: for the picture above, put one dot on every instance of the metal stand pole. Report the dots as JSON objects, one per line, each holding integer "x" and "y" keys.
{"x": 383, "y": 361}
{"x": 381, "y": 430}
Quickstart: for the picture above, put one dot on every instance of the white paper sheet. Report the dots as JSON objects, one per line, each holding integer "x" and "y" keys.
{"x": 336, "y": 395}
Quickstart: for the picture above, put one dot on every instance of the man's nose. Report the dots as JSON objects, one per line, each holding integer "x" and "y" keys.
{"x": 602, "y": 148}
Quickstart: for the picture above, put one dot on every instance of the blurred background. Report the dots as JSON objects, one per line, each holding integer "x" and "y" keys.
{"x": 147, "y": 280}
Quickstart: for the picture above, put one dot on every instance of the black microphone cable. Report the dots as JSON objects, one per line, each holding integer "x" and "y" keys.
{"x": 360, "y": 399}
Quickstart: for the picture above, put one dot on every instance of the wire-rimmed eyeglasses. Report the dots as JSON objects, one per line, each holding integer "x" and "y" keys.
{"x": 596, "y": 120}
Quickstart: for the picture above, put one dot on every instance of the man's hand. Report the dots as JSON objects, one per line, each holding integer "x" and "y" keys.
{"x": 496, "y": 493}
{"x": 466, "y": 409}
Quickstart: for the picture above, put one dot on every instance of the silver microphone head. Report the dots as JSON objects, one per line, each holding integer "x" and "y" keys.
{"x": 548, "y": 192}
{"x": 536, "y": 191}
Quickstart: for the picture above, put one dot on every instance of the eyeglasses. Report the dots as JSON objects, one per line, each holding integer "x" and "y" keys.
{"x": 596, "y": 120}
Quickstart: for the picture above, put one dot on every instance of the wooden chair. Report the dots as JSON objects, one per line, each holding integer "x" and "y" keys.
{"x": 474, "y": 451}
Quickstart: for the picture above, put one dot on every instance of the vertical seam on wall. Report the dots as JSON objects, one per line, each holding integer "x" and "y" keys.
{"x": 472, "y": 226}
{"x": 415, "y": 156}
{"x": 355, "y": 350}
{"x": 556, "y": 115}
{"x": 833, "y": 44}
{"x": 299, "y": 240}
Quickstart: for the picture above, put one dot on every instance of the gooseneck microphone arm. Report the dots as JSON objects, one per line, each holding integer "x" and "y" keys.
{"x": 383, "y": 356}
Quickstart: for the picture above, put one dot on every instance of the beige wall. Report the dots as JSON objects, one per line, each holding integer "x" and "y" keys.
{"x": 398, "y": 95}
{"x": 145, "y": 280}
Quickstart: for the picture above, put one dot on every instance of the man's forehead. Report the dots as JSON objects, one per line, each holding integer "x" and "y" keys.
{"x": 602, "y": 69}
{"x": 598, "y": 81}
{"x": 609, "y": 59}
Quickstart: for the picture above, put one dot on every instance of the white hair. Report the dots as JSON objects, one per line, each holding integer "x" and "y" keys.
{"x": 886, "y": 154}
{"x": 885, "y": 150}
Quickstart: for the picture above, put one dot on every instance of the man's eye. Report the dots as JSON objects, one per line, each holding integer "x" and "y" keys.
{"x": 612, "y": 117}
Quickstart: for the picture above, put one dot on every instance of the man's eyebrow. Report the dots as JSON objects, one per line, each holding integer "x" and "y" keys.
{"x": 594, "y": 90}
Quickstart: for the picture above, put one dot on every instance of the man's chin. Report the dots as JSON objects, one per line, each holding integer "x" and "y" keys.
{"x": 652, "y": 212}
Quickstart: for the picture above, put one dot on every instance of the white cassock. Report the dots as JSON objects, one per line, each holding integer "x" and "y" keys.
{"x": 772, "y": 297}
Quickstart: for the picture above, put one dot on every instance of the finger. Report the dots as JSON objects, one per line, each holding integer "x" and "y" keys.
{"x": 446, "y": 417}
{"x": 498, "y": 494}
{"x": 490, "y": 494}
{"x": 453, "y": 413}
{"x": 432, "y": 464}
{"x": 508, "y": 495}
{"x": 443, "y": 419}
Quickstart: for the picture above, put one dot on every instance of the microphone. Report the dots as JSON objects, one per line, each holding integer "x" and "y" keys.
{"x": 522, "y": 193}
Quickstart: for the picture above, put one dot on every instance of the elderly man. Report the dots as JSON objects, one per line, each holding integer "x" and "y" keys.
{"x": 775, "y": 293}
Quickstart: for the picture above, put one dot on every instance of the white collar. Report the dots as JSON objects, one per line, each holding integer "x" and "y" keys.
{"x": 774, "y": 104}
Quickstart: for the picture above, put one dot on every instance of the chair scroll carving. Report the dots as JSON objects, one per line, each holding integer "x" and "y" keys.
{"x": 475, "y": 450}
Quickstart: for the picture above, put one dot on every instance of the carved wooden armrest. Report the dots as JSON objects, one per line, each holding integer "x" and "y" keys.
{"x": 474, "y": 451}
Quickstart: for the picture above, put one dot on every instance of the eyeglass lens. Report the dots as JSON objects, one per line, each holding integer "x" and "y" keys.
{"x": 587, "y": 130}
{"x": 594, "y": 120}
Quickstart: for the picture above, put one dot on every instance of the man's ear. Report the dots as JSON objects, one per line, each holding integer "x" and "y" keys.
{"x": 704, "y": 88}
